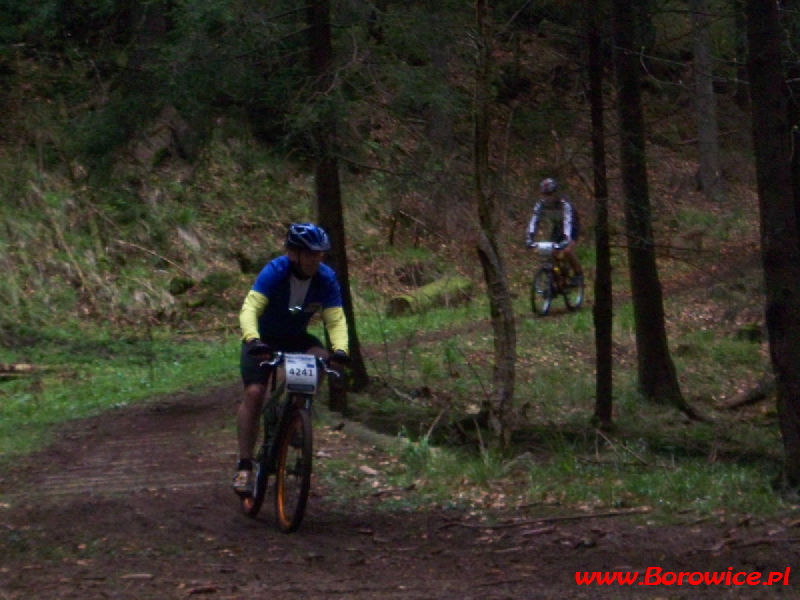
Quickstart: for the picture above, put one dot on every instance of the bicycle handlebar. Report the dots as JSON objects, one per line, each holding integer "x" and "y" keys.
{"x": 547, "y": 247}
{"x": 278, "y": 358}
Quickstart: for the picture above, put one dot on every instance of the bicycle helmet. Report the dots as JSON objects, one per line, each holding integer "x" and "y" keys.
{"x": 307, "y": 236}
{"x": 548, "y": 186}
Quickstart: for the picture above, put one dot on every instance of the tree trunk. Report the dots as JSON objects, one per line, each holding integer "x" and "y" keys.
{"x": 500, "y": 408}
{"x": 780, "y": 237}
{"x": 791, "y": 76}
{"x": 603, "y": 305}
{"x": 328, "y": 191}
{"x": 710, "y": 175}
{"x": 741, "y": 94}
{"x": 657, "y": 377}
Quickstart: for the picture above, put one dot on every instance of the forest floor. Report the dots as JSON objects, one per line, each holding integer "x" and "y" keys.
{"x": 136, "y": 503}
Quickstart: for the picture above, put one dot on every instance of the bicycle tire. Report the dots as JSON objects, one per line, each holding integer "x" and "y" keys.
{"x": 542, "y": 292}
{"x": 293, "y": 465}
{"x": 573, "y": 295}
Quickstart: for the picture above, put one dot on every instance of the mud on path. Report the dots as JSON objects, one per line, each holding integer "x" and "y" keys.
{"x": 136, "y": 504}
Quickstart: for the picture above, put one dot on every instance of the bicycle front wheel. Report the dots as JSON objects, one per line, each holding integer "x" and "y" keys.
{"x": 542, "y": 292}
{"x": 293, "y": 479}
{"x": 573, "y": 295}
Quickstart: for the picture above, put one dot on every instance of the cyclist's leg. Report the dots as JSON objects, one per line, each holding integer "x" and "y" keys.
{"x": 254, "y": 378}
{"x": 572, "y": 257}
{"x": 247, "y": 419}
{"x": 247, "y": 432}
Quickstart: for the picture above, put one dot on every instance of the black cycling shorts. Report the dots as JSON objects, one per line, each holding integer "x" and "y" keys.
{"x": 253, "y": 373}
{"x": 557, "y": 235}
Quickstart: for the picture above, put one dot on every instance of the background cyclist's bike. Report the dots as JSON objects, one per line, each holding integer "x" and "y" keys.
{"x": 287, "y": 440}
{"x": 554, "y": 278}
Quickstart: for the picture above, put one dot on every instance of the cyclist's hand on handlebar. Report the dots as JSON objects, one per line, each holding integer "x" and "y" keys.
{"x": 256, "y": 347}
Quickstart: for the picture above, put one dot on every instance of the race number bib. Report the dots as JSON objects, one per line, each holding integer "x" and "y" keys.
{"x": 301, "y": 373}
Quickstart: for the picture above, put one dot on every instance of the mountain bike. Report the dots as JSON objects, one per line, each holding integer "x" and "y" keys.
{"x": 553, "y": 278}
{"x": 287, "y": 438}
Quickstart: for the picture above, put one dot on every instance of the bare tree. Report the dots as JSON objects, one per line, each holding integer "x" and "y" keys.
{"x": 741, "y": 94}
{"x": 709, "y": 173}
{"x": 603, "y": 304}
{"x": 657, "y": 377}
{"x": 328, "y": 188}
{"x": 501, "y": 308}
{"x": 780, "y": 222}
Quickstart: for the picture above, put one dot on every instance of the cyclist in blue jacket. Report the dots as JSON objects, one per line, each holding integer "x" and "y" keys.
{"x": 274, "y": 316}
{"x": 563, "y": 221}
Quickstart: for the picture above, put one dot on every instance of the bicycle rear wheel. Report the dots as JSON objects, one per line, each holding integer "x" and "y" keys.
{"x": 542, "y": 292}
{"x": 573, "y": 295}
{"x": 293, "y": 479}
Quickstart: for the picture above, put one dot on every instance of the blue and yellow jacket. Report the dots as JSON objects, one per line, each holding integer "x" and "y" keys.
{"x": 265, "y": 311}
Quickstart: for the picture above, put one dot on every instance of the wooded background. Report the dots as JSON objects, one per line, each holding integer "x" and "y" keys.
{"x": 455, "y": 109}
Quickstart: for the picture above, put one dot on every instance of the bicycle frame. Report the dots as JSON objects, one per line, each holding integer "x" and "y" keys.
{"x": 553, "y": 261}
{"x": 551, "y": 280}
{"x": 283, "y": 421}
{"x": 301, "y": 378}
{"x": 297, "y": 382}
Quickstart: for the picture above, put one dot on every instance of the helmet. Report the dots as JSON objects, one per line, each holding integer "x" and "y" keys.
{"x": 548, "y": 186}
{"x": 307, "y": 236}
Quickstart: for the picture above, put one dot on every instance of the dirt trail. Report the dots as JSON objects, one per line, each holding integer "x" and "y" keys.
{"x": 135, "y": 504}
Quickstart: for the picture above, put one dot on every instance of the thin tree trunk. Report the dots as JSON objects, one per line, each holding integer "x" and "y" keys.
{"x": 502, "y": 311}
{"x": 603, "y": 304}
{"x": 328, "y": 191}
{"x": 742, "y": 95}
{"x": 792, "y": 77}
{"x": 710, "y": 175}
{"x": 780, "y": 232}
{"x": 657, "y": 377}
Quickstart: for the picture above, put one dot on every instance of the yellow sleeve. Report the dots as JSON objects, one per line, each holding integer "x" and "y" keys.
{"x": 336, "y": 326}
{"x": 252, "y": 308}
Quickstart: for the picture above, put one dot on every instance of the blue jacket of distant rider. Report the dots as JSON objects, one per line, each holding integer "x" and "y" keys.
{"x": 265, "y": 311}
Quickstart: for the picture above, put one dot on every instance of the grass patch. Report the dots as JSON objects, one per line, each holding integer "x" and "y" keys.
{"x": 88, "y": 372}
{"x": 684, "y": 486}
{"x": 563, "y": 475}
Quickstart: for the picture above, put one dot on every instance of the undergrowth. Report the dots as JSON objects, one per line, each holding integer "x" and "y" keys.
{"x": 432, "y": 373}
{"x": 123, "y": 289}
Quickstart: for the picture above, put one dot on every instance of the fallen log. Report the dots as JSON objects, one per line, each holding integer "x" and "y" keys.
{"x": 17, "y": 369}
{"x": 447, "y": 291}
{"x": 762, "y": 390}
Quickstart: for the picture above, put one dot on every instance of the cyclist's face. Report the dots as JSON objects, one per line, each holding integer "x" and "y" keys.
{"x": 307, "y": 261}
